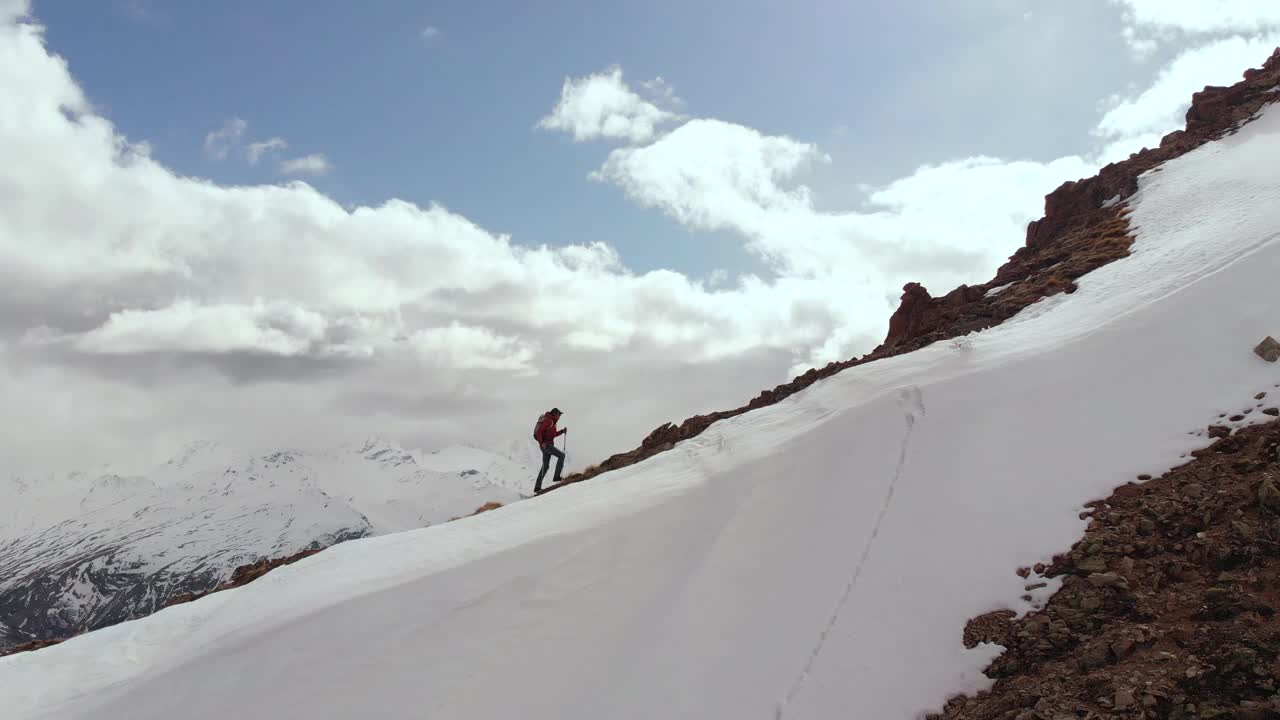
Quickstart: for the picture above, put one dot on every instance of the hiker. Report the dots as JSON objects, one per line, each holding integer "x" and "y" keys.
{"x": 545, "y": 433}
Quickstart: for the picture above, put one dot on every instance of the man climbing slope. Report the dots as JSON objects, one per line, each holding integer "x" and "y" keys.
{"x": 545, "y": 433}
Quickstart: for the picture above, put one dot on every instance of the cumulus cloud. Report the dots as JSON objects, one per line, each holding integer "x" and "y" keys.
{"x": 602, "y": 105}
{"x": 185, "y": 308}
{"x": 140, "y": 308}
{"x": 314, "y": 164}
{"x": 465, "y": 348}
{"x": 430, "y": 32}
{"x": 946, "y": 224}
{"x": 1142, "y": 119}
{"x": 274, "y": 329}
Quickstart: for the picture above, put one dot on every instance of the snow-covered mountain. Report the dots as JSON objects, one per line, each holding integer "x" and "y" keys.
{"x": 83, "y": 552}
{"x": 814, "y": 558}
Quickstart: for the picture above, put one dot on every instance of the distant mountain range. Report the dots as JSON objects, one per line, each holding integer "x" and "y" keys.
{"x": 80, "y": 552}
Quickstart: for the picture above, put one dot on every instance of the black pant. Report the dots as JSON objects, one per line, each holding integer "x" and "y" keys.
{"x": 547, "y": 452}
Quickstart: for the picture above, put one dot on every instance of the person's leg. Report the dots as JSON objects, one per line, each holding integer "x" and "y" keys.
{"x": 559, "y": 461}
{"x": 546, "y": 460}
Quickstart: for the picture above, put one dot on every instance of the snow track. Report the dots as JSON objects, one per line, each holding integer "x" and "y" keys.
{"x": 912, "y": 400}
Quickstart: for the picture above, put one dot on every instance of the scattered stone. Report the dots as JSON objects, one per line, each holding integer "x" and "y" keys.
{"x": 1268, "y": 349}
{"x": 1107, "y": 579}
{"x": 1260, "y": 396}
{"x": 1269, "y": 495}
{"x": 1236, "y": 418}
{"x": 1273, "y": 412}
{"x": 1144, "y": 477}
{"x": 1122, "y": 647}
{"x": 1219, "y": 431}
{"x": 1096, "y": 564}
{"x": 1123, "y": 700}
{"x": 1094, "y": 656}
{"x": 1194, "y": 491}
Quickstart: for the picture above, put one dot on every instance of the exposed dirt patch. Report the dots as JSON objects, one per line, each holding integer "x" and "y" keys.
{"x": 248, "y": 573}
{"x": 1168, "y": 606}
{"x": 29, "y": 646}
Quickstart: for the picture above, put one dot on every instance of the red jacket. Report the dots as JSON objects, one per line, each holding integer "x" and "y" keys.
{"x": 547, "y": 430}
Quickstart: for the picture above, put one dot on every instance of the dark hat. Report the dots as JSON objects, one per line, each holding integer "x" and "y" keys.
{"x": 556, "y": 411}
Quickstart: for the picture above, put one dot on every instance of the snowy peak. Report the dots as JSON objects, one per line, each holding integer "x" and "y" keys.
{"x": 81, "y": 552}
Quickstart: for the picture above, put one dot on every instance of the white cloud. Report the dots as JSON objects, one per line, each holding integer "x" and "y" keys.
{"x": 945, "y": 225}
{"x": 314, "y": 164}
{"x": 1203, "y": 16}
{"x": 462, "y": 347}
{"x": 255, "y": 150}
{"x": 663, "y": 94}
{"x": 601, "y": 105}
{"x": 272, "y": 313}
{"x": 1149, "y": 24}
{"x": 188, "y": 308}
{"x": 186, "y": 327}
{"x": 219, "y": 143}
{"x": 1142, "y": 119}
{"x": 713, "y": 175}
{"x": 11, "y": 10}
{"x": 430, "y": 32}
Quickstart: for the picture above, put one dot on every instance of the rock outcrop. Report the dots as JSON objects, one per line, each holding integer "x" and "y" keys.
{"x": 1168, "y": 605}
{"x": 1083, "y": 228}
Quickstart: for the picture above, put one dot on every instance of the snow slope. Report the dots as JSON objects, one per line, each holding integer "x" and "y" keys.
{"x": 817, "y": 558}
{"x": 81, "y": 552}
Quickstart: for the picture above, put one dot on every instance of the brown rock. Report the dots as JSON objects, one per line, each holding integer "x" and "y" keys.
{"x": 1094, "y": 656}
{"x": 1268, "y": 349}
{"x": 1123, "y": 699}
{"x": 1273, "y": 412}
{"x": 913, "y": 316}
{"x": 1122, "y": 647}
{"x": 1269, "y": 495}
{"x": 1219, "y": 431}
{"x": 1092, "y": 564}
{"x": 1107, "y": 579}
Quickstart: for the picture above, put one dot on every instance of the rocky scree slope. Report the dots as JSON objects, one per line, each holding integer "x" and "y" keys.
{"x": 1083, "y": 228}
{"x": 1168, "y": 604}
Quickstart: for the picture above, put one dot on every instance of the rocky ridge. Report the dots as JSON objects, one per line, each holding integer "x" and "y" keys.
{"x": 1083, "y": 228}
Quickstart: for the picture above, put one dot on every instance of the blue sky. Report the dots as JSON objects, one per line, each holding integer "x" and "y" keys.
{"x": 157, "y": 288}
{"x": 449, "y": 117}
